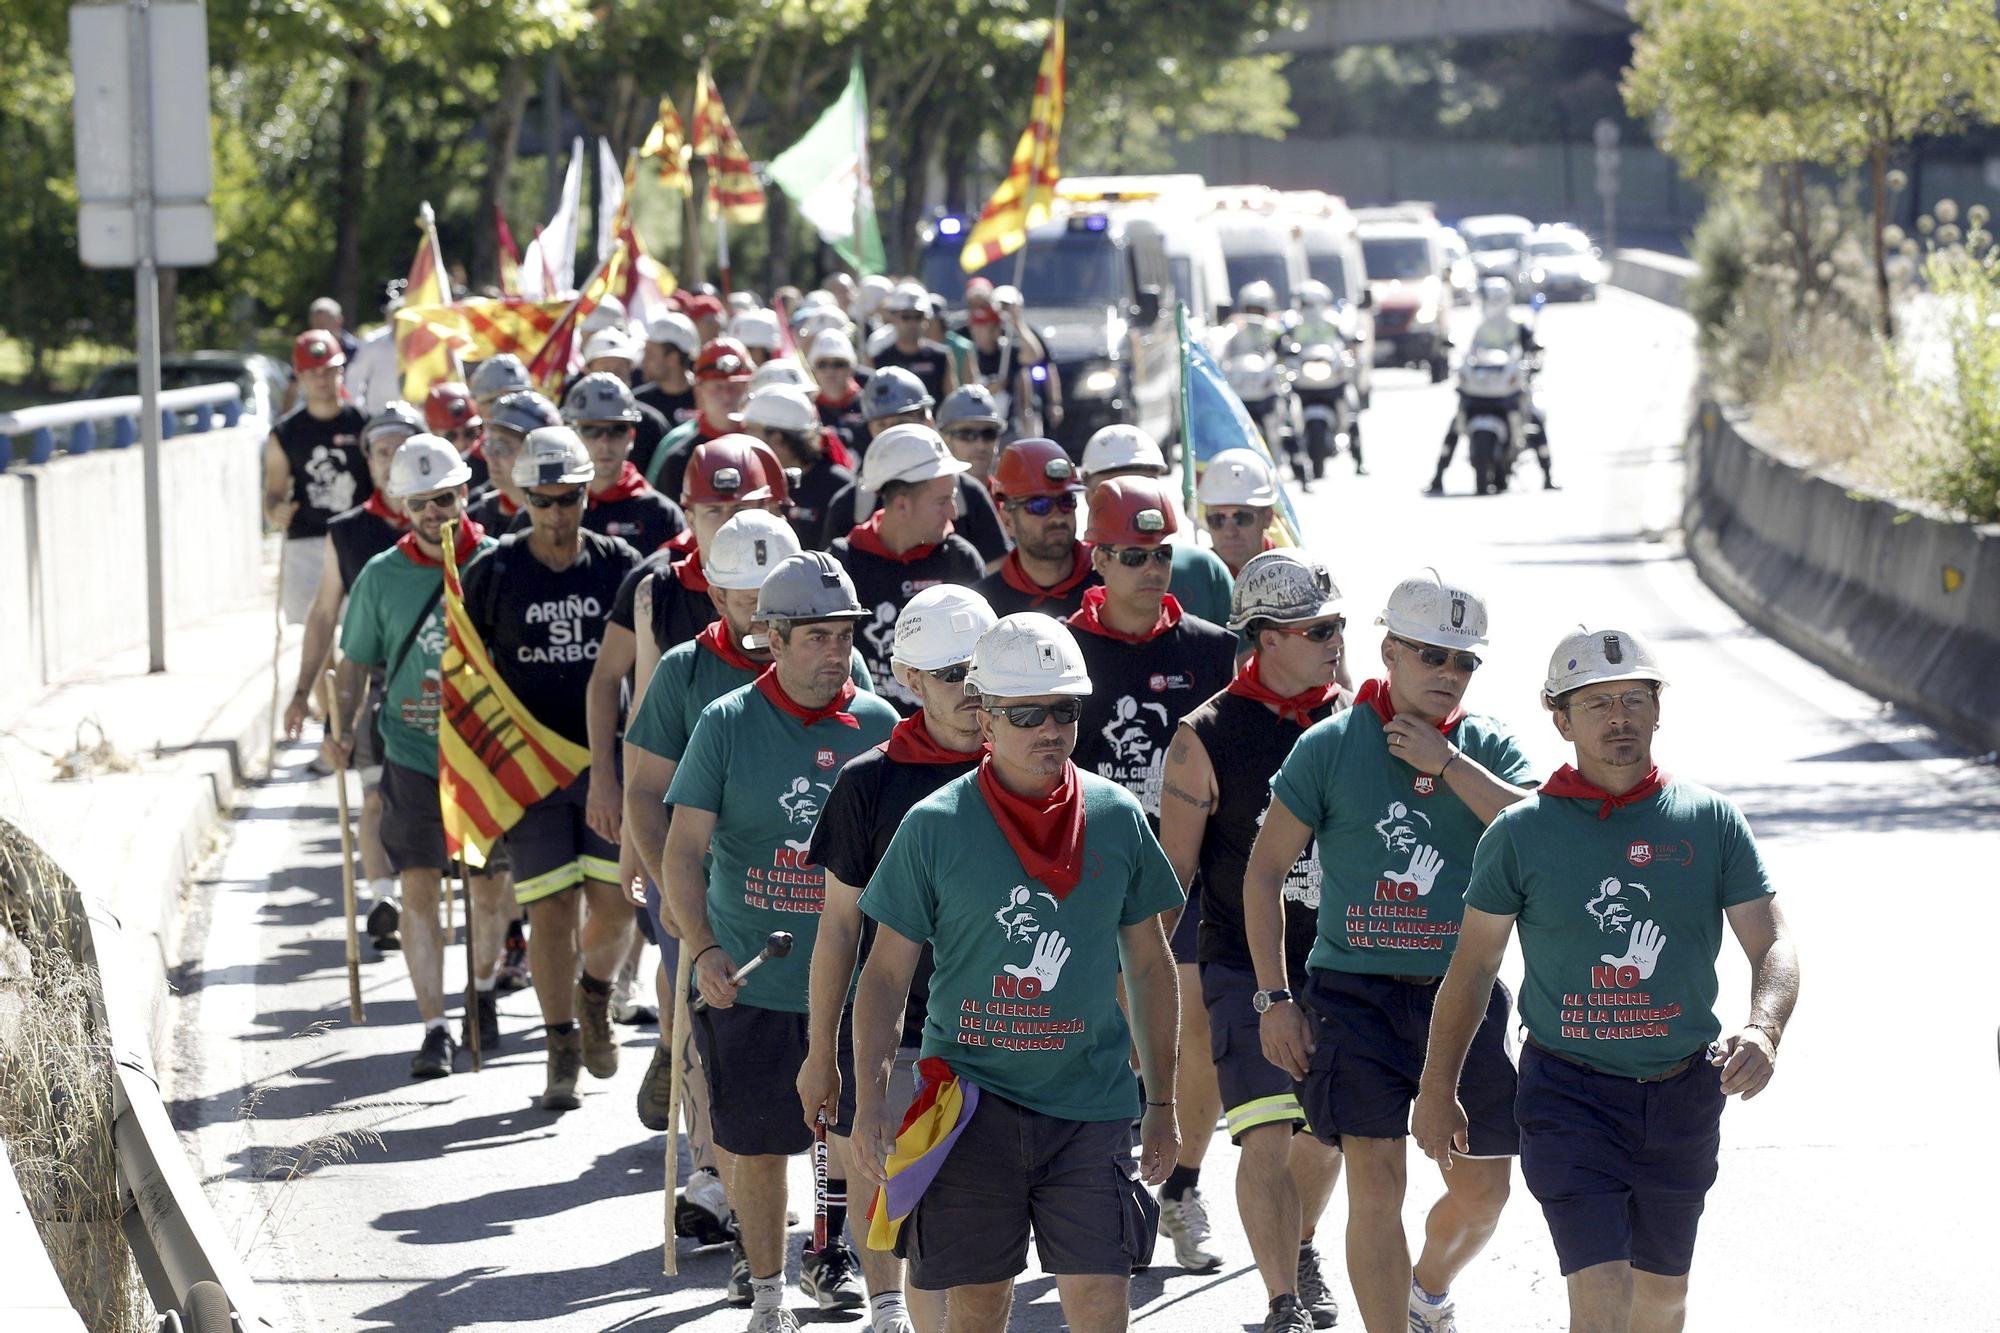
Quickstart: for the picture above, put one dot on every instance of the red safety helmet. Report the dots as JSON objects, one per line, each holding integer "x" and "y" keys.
{"x": 696, "y": 304}
{"x": 449, "y": 407}
{"x": 1034, "y": 467}
{"x": 1131, "y": 511}
{"x": 775, "y": 473}
{"x": 314, "y": 349}
{"x": 724, "y": 359}
{"x": 726, "y": 470}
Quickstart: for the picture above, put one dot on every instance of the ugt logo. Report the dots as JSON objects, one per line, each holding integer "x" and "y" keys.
{"x": 1639, "y": 853}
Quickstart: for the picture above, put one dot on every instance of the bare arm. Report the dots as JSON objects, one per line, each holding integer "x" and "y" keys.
{"x": 1028, "y": 349}
{"x": 1285, "y": 1033}
{"x": 600, "y": 713}
{"x": 349, "y": 680}
{"x": 1461, "y": 1007}
{"x": 1424, "y": 748}
{"x": 1749, "y": 1054}
{"x": 647, "y": 777}
{"x": 1153, "y": 1000}
{"x": 645, "y": 653}
{"x": 321, "y": 621}
{"x": 878, "y": 1022}
{"x": 685, "y": 887}
{"x": 834, "y": 953}
{"x": 1189, "y": 798}
{"x": 278, "y": 504}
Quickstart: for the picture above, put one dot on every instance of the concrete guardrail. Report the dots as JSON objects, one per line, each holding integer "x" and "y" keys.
{"x": 206, "y": 406}
{"x": 1650, "y": 273}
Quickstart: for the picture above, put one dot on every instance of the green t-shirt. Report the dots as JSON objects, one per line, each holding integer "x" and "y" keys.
{"x": 1395, "y": 845}
{"x": 1201, "y": 583}
{"x": 1620, "y": 918}
{"x": 688, "y": 679}
{"x": 1024, "y": 1001}
{"x": 765, "y": 776}
{"x": 388, "y": 595}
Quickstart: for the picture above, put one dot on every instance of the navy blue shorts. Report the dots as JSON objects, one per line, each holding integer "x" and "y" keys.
{"x": 551, "y": 849}
{"x": 649, "y": 920}
{"x": 1187, "y": 928}
{"x": 1371, "y": 1033}
{"x": 1254, "y": 1091}
{"x": 753, "y": 1057}
{"x": 1622, "y": 1169}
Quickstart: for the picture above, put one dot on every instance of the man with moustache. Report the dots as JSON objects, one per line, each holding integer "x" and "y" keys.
{"x": 1048, "y": 570}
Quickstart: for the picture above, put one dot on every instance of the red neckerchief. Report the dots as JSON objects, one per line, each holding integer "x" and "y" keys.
{"x": 719, "y": 639}
{"x": 1566, "y": 781}
{"x": 702, "y": 432}
{"x": 507, "y": 507}
{"x": 1045, "y": 832}
{"x": 1375, "y": 693}
{"x": 835, "y": 449}
{"x": 377, "y": 505}
{"x": 469, "y": 534}
{"x": 868, "y": 537}
{"x": 846, "y": 400}
{"x": 631, "y": 481}
{"x": 1299, "y": 708}
{"x": 768, "y": 686}
{"x": 688, "y": 572}
{"x": 681, "y": 542}
{"x": 912, "y": 743}
{"x": 1016, "y": 577}
{"x": 1090, "y": 618}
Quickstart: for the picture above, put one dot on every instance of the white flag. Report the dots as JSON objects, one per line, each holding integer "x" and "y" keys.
{"x": 610, "y": 194}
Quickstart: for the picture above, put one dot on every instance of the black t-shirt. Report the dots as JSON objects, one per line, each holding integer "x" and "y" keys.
{"x": 812, "y": 498}
{"x": 490, "y": 511}
{"x": 648, "y": 520}
{"x": 1139, "y": 692}
{"x": 358, "y": 537}
{"x": 648, "y": 431}
{"x": 543, "y": 626}
{"x": 887, "y": 586}
{"x": 1246, "y": 744}
{"x": 978, "y": 521}
{"x": 329, "y": 469}
{"x": 679, "y": 612}
{"x": 482, "y": 473}
{"x": 1006, "y": 599}
{"x": 674, "y": 408}
{"x": 869, "y": 799}
{"x": 847, "y": 422}
{"x": 931, "y": 363}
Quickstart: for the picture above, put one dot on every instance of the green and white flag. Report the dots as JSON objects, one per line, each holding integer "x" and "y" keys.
{"x": 826, "y": 177}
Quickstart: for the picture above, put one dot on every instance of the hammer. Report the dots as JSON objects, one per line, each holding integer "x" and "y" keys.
{"x": 777, "y": 945}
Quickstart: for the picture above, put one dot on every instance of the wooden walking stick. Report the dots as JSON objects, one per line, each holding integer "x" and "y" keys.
{"x": 354, "y": 1013}
{"x": 672, "y": 1265}
{"x": 278, "y": 652}
{"x": 471, "y": 975}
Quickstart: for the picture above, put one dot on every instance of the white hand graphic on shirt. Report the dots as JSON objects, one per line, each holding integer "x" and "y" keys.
{"x": 1425, "y": 864}
{"x": 1642, "y": 949}
{"x": 1046, "y": 964}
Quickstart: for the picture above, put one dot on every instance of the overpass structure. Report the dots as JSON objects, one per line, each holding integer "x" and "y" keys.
{"x": 1331, "y": 24}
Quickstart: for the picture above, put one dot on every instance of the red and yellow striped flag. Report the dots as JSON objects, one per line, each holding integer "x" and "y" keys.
{"x": 732, "y": 185}
{"x": 666, "y": 143}
{"x": 510, "y": 258}
{"x": 494, "y": 759}
{"x": 1023, "y": 198}
{"x": 427, "y": 350}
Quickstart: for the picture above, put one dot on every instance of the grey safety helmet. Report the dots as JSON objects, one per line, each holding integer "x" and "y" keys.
{"x": 892, "y": 391}
{"x": 395, "y": 415}
{"x": 524, "y": 410}
{"x": 806, "y": 587}
{"x": 600, "y": 396}
{"x": 498, "y": 375}
{"x": 968, "y": 403}
{"x": 1286, "y": 586}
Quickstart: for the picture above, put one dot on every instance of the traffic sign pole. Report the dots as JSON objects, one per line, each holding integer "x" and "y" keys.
{"x": 1605, "y": 135}
{"x": 146, "y": 302}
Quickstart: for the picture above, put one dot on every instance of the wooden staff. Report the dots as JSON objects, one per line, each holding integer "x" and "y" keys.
{"x": 277, "y": 652}
{"x": 471, "y": 975}
{"x": 354, "y": 1013}
{"x": 672, "y": 1265}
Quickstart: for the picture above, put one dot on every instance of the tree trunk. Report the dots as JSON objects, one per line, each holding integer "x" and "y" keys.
{"x": 1879, "y": 183}
{"x": 778, "y": 231}
{"x": 351, "y": 188}
{"x": 694, "y": 271}
{"x": 503, "y": 138}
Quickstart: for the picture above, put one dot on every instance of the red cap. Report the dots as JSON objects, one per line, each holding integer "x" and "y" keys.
{"x": 725, "y": 470}
{"x": 1131, "y": 511}
{"x": 1034, "y": 467}
{"x": 724, "y": 359}
{"x": 696, "y": 304}
{"x": 979, "y": 289}
{"x": 982, "y": 314}
{"x": 448, "y": 407}
{"x": 316, "y": 348}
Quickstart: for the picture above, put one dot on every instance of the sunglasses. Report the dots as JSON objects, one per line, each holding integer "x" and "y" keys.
{"x": 567, "y": 500}
{"x": 465, "y": 434}
{"x": 1437, "y": 657}
{"x": 1242, "y": 518}
{"x": 445, "y": 500}
{"x": 1599, "y": 705}
{"x": 975, "y": 434}
{"x": 951, "y": 675}
{"x": 604, "y": 432}
{"x": 1133, "y": 557}
{"x": 1320, "y": 633}
{"x": 1029, "y": 716}
{"x": 909, "y": 316}
{"x": 1041, "y": 506}
{"x": 833, "y": 365}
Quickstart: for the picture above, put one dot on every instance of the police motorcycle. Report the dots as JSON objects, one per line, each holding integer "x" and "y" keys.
{"x": 1255, "y": 365}
{"x": 1325, "y": 381}
{"x": 1496, "y": 413}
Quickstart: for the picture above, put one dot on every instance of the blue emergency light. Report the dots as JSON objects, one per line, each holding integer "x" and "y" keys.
{"x": 950, "y": 226}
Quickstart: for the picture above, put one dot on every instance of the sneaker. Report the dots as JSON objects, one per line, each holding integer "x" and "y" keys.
{"x": 433, "y": 1059}
{"x": 1436, "y": 487}
{"x": 626, "y": 1006}
{"x": 383, "y": 919}
{"x": 1285, "y": 1316}
{"x": 1314, "y": 1295}
{"x": 565, "y": 1062}
{"x": 702, "y": 1213}
{"x": 1549, "y": 484}
{"x": 653, "y": 1091}
{"x": 1428, "y": 1318}
{"x": 593, "y": 1021}
{"x": 832, "y": 1277}
{"x": 513, "y": 973}
{"x": 1184, "y": 1221}
{"x": 488, "y": 1009}
{"x": 779, "y": 1320}
{"x": 736, "y": 1291}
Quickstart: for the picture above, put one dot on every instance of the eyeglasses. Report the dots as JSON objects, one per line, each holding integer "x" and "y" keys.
{"x": 951, "y": 675}
{"x": 1241, "y": 518}
{"x": 909, "y": 316}
{"x": 1041, "y": 506}
{"x": 1029, "y": 716}
{"x": 974, "y": 434}
{"x": 1599, "y": 705}
{"x": 1437, "y": 657}
{"x": 606, "y": 431}
{"x": 445, "y": 500}
{"x": 567, "y": 500}
{"x": 1132, "y": 557}
{"x": 1318, "y": 633}
{"x": 833, "y": 365}
{"x": 465, "y": 434}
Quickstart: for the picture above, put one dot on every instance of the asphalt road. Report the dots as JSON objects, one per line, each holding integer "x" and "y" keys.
{"x": 1855, "y": 1194}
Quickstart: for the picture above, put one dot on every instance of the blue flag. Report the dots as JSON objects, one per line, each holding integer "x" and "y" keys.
{"x": 1213, "y": 418}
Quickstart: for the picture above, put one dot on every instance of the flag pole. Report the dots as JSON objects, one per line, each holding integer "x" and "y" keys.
{"x": 427, "y": 219}
{"x": 1187, "y": 413}
{"x": 860, "y": 174}
{"x": 1020, "y": 269}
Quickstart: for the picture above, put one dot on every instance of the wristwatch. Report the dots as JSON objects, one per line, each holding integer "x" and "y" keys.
{"x": 1262, "y": 1000}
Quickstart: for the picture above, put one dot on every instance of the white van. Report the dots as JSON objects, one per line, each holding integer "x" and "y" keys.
{"x": 1257, "y": 241}
{"x": 1328, "y": 231}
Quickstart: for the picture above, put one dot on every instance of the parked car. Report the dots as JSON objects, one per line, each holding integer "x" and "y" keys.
{"x": 264, "y": 381}
{"x": 1406, "y": 273}
{"x": 1563, "y": 265}
{"x": 1499, "y": 246}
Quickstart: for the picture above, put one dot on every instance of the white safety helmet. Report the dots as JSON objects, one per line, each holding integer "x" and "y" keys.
{"x": 782, "y": 407}
{"x": 1237, "y": 477}
{"x": 552, "y": 456}
{"x": 675, "y": 330}
{"x": 908, "y": 453}
{"x": 747, "y": 548}
{"x": 1287, "y": 586}
{"x": 940, "y": 627}
{"x": 1314, "y": 295}
{"x": 818, "y": 320}
{"x": 741, "y": 301}
{"x": 607, "y": 312}
{"x": 780, "y": 370}
{"x": 1425, "y": 609}
{"x": 610, "y": 341}
{"x": 1116, "y": 447}
{"x": 757, "y": 328}
{"x": 1259, "y": 293}
{"x": 1587, "y": 656}
{"x": 423, "y": 464}
{"x": 1025, "y": 655}
{"x": 832, "y": 345}
{"x": 1495, "y": 294}
{"x": 869, "y": 295}
{"x": 906, "y": 296}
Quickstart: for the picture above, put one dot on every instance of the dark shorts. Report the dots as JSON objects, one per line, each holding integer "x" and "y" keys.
{"x": 1371, "y": 1033}
{"x": 649, "y": 921}
{"x": 1254, "y": 1091}
{"x": 1073, "y": 1183}
{"x": 753, "y": 1057}
{"x": 1187, "y": 929}
{"x": 412, "y": 820}
{"x": 551, "y": 849}
{"x": 1621, "y": 1168}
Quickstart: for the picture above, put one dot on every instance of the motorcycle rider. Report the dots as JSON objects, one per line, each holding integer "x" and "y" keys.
{"x": 1499, "y": 331}
{"x": 1318, "y": 325}
{"x": 1260, "y": 329}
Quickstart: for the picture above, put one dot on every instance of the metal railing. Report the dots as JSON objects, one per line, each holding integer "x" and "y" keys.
{"x": 41, "y": 425}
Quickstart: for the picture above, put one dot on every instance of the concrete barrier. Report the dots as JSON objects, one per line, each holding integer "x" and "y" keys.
{"x": 1663, "y": 278}
{"x": 1903, "y": 603}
